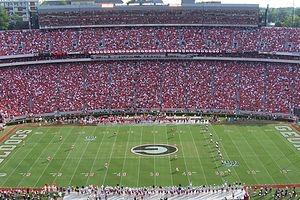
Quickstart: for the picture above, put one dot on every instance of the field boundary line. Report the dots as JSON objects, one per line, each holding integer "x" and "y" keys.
{"x": 124, "y": 161}
{"x": 87, "y": 144}
{"x": 10, "y": 132}
{"x": 52, "y": 157}
{"x": 295, "y": 127}
{"x": 274, "y": 186}
{"x": 104, "y": 134}
{"x": 198, "y": 155}
{"x": 110, "y": 156}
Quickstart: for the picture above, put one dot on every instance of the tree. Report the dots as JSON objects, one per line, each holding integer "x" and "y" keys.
{"x": 4, "y": 19}
{"x": 137, "y": 1}
{"x": 288, "y": 22}
{"x": 16, "y": 22}
{"x": 58, "y": 2}
{"x": 284, "y": 16}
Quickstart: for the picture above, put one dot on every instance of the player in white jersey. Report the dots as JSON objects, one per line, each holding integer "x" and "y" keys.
{"x": 106, "y": 165}
{"x": 49, "y": 158}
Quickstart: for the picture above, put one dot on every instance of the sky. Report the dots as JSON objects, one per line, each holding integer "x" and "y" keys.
{"x": 262, "y": 3}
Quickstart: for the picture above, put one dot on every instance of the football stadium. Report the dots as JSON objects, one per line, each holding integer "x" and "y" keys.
{"x": 145, "y": 99}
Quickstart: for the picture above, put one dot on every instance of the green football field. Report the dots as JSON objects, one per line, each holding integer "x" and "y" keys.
{"x": 255, "y": 154}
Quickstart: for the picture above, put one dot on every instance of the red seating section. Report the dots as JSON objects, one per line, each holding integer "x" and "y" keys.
{"x": 160, "y": 15}
{"x": 149, "y": 85}
{"x": 150, "y": 39}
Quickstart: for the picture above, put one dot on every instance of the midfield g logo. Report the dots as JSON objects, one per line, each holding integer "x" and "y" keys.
{"x": 154, "y": 150}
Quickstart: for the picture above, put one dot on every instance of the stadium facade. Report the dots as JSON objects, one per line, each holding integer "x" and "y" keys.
{"x": 80, "y": 37}
{"x": 149, "y": 63}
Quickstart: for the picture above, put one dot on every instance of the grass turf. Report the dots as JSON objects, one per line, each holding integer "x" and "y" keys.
{"x": 263, "y": 154}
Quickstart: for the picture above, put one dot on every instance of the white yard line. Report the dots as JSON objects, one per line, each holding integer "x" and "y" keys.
{"x": 110, "y": 156}
{"x": 21, "y": 160}
{"x": 139, "y": 169}
{"x": 96, "y": 157}
{"x": 124, "y": 161}
{"x": 37, "y": 159}
{"x": 241, "y": 156}
{"x": 215, "y": 133}
{"x": 288, "y": 144}
{"x": 268, "y": 155}
{"x": 154, "y": 168}
{"x": 212, "y": 154}
{"x": 82, "y": 154}
{"x": 260, "y": 161}
{"x": 169, "y": 157}
{"x": 198, "y": 155}
{"x": 18, "y": 148}
{"x": 282, "y": 152}
{"x": 52, "y": 157}
{"x": 186, "y": 169}
{"x": 67, "y": 158}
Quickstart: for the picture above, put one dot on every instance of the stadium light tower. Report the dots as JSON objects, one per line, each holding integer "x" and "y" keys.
{"x": 293, "y": 18}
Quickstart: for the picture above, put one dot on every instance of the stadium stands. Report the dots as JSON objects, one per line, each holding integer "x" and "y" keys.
{"x": 183, "y": 75}
{"x": 51, "y": 192}
{"x": 149, "y": 40}
{"x": 120, "y": 15}
{"x": 149, "y": 85}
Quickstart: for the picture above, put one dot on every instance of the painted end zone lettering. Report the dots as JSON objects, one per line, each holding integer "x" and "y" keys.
{"x": 292, "y": 136}
{"x": 9, "y": 145}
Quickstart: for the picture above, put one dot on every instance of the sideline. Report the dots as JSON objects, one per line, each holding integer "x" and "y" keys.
{"x": 9, "y": 133}
{"x": 295, "y": 127}
{"x": 274, "y": 186}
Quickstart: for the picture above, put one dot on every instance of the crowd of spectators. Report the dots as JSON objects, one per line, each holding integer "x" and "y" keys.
{"x": 150, "y": 85}
{"x": 144, "y": 16}
{"x": 269, "y": 39}
{"x": 149, "y": 40}
{"x": 47, "y": 192}
{"x": 225, "y": 191}
{"x": 282, "y": 192}
{"x": 1, "y": 121}
{"x": 254, "y": 81}
{"x": 235, "y": 191}
{"x": 160, "y": 118}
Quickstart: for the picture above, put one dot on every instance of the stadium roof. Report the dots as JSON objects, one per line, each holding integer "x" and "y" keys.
{"x": 109, "y": 1}
{"x": 150, "y": 1}
{"x": 207, "y": 6}
{"x": 184, "y": 2}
